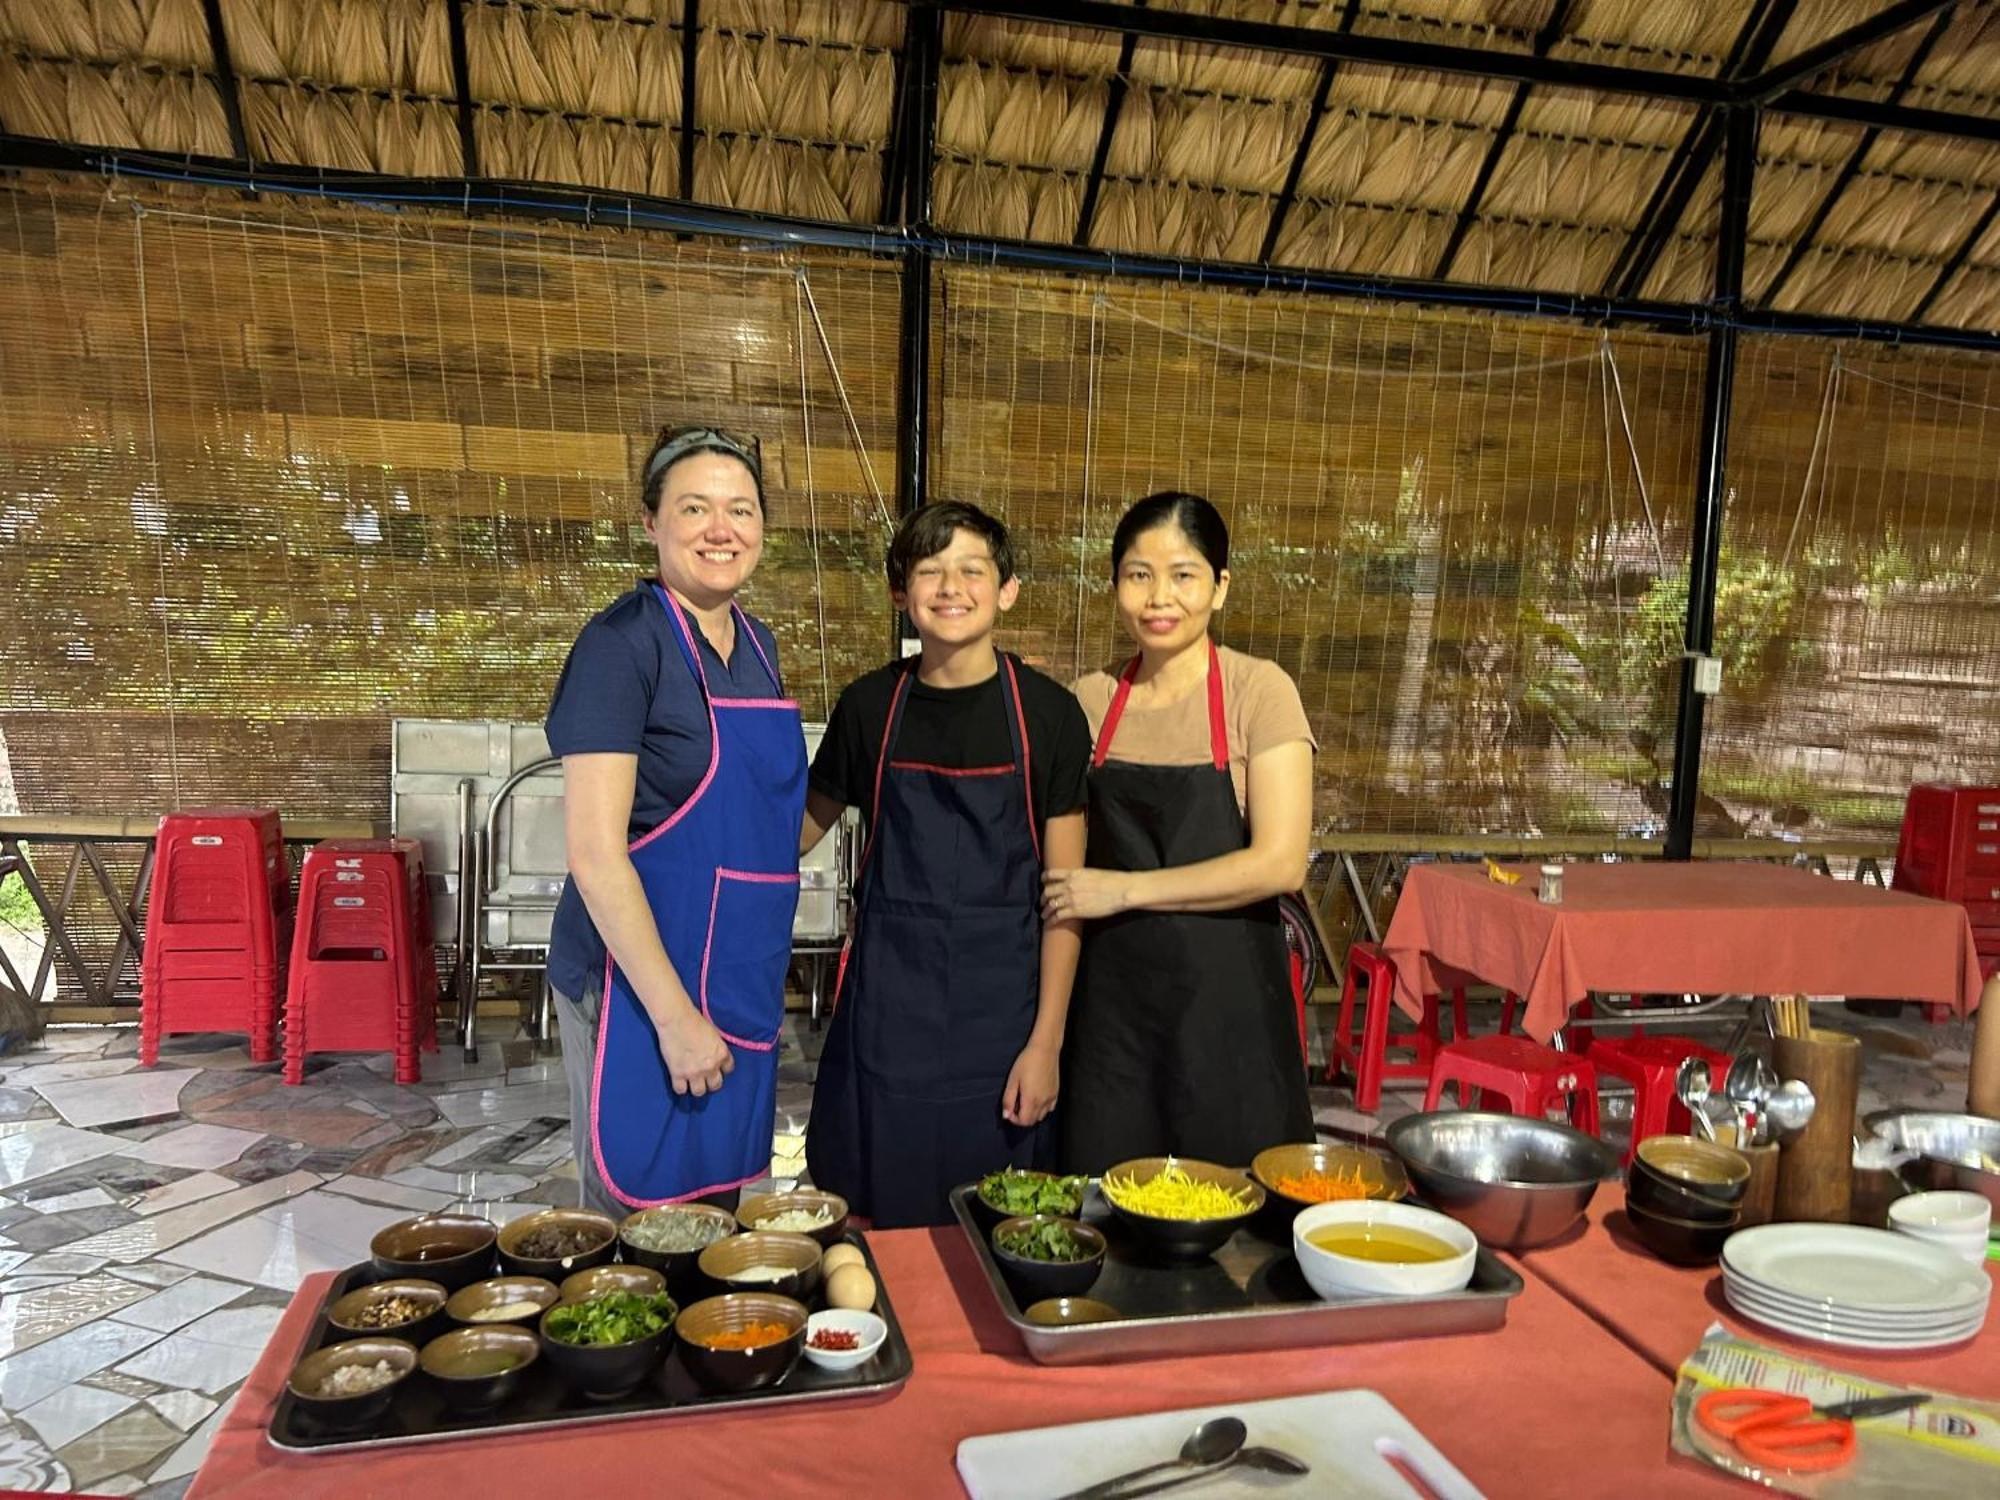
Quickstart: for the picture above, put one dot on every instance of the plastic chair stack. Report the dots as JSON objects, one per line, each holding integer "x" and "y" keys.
{"x": 363, "y": 971}
{"x": 1949, "y": 850}
{"x": 217, "y": 920}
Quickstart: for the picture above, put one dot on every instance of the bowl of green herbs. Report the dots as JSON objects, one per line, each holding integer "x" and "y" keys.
{"x": 1015, "y": 1192}
{"x": 1044, "y": 1255}
{"x": 609, "y": 1344}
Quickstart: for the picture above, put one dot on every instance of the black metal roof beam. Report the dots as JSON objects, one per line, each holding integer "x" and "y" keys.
{"x": 1836, "y": 49}
{"x": 1315, "y": 115}
{"x": 541, "y": 201}
{"x": 1957, "y": 259}
{"x": 1691, "y": 159}
{"x": 890, "y": 211}
{"x": 690, "y": 55}
{"x": 1985, "y": 129}
{"x": 225, "y": 80}
{"x": 461, "y": 86}
{"x": 1114, "y": 105}
{"x": 1851, "y": 168}
{"x": 1545, "y": 40}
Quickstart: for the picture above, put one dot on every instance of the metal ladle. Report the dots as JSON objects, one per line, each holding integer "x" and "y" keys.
{"x": 1692, "y": 1084}
{"x": 1791, "y": 1106}
{"x": 1217, "y": 1442}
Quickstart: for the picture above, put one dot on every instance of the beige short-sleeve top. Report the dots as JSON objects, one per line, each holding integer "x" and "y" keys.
{"x": 1260, "y": 704}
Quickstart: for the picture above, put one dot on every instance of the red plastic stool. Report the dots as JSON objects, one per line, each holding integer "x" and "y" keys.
{"x": 356, "y": 964}
{"x": 1529, "y": 1076}
{"x": 218, "y": 918}
{"x": 1649, "y": 1063}
{"x": 1367, "y": 1055}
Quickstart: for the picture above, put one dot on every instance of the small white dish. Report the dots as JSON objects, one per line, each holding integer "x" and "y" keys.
{"x": 1333, "y": 1275}
{"x": 868, "y": 1329}
{"x": 1950, "y": 1213}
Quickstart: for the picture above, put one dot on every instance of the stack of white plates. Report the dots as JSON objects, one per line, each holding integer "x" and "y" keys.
{"x": 1844, "y": 1284}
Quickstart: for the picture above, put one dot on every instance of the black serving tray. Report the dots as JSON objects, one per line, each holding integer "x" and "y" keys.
{"x": 419, "y": 1413}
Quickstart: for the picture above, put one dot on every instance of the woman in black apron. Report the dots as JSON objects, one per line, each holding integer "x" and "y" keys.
{"x": 1182, "y": 1035}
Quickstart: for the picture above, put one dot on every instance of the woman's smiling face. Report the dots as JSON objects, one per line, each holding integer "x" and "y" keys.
{"x": 709, "y": 528}
{"x": 1167, "y": 590}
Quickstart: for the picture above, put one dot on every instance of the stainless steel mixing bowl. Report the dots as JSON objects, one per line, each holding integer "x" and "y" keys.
{"x": 1515, "y": 1182}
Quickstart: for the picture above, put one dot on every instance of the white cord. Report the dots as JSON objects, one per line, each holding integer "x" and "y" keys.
{"x": 812, "y": 496}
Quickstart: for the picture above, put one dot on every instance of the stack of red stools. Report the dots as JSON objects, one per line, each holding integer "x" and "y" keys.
{"x": 1949, "y": 850}
{"x": 364, "y": 972}
{"x": 217, "y": 920}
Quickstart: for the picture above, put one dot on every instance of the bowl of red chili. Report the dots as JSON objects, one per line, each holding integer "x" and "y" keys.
{"x": 742, "y": 1341}
{"x": 841, "y": 1339}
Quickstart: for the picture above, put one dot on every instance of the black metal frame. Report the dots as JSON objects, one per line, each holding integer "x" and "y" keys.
{"x": 225, "y": 80}
{"x": 461, "y": 84}
{"x": 690, "y": 55}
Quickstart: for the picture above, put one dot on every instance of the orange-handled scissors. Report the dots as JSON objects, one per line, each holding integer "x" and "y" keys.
{"x": 1788, "y": 1432}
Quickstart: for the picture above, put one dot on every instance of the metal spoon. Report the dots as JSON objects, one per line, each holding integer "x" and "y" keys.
{"x": 1692, "y": 1082}
{"x": 1269, "y": 1460}
{"x": 1791, "y": 1106}
{"x": 1216, "y": 1442}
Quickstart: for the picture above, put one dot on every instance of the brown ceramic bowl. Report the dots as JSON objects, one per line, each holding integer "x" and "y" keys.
{"x": 678, "y": 1266}
{"x": 604, "y": 1372}
{"x": 425, "y": 1326}
{"x": 1382, "y": 1176}
{"x": 986, "y": 1213}
{"x": 601, "y": 1229}
{"x": 784, "y": 1264}
{"x": 1660, "y": 1194}
{"x": 1679, "y": 1242}
{"x": 454, "y": 1250}
{"x": 1068, "y": 1312}
{"x": 1182, "y": 1239}
{"x": 1718, "y": 1172}
{"x": 536, "y": 1293}
{"x": 741, "y": 1369}
{"x": 756, "y": 1212}
{"x": 471, "y": 1365}
{"x": 358, "y": 1410}
{"x": 598, "y": 1280}
{"x": 1032, "y": 1280}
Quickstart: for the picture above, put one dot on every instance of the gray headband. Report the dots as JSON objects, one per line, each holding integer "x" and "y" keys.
{"x": 703, "y": 440}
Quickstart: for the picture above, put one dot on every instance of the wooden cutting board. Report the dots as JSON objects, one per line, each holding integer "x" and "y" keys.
{"x": 1349, "y": 1437}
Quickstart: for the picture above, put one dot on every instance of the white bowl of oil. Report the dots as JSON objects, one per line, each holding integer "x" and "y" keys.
{"x": 1367, "y": 1248}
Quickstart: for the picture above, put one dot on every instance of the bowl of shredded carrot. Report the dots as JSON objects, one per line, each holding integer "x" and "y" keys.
{"x": 1328, "y": 1172}
{"x": 1177, "y": 1207}
{"x": 742, "y": 1341}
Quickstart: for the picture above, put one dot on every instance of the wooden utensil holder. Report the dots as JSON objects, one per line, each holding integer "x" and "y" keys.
{"x": 1760, "y": 1194}
{"x": 1816, "y": 1166}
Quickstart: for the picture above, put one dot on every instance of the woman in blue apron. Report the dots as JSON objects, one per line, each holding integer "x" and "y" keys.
{"x": 684, "y": 782}
{"x": 1182, "y": 1036}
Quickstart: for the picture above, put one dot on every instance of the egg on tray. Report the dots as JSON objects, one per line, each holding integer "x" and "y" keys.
{"x": 840, "y": 1255}
{"x": 851, "y": 1287}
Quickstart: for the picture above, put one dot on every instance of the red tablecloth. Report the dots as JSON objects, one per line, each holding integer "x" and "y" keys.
{"x": 1662, "y": 1310}
{"x": 1668, "y": 928}
{"x": 1550, "y": 1404}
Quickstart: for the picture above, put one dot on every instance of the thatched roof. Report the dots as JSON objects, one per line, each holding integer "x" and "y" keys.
{"x": 794, "y": 108}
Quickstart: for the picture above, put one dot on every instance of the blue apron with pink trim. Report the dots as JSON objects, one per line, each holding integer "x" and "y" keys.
{"x": 722, "y": 878}
{"x": 940, "y": 988}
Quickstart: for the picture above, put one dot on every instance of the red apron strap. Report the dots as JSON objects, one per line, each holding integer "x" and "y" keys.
{"x": 1218, "y": 718}
{"x": 1027, "y": 769}
{"x": 881, "y": 763}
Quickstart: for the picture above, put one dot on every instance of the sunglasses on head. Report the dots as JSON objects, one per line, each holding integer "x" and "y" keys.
{"x": 682, "y": 441}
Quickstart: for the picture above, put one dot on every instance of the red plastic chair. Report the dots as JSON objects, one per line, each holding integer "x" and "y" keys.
{"x": 1649, "y": 1064}
{"x": 1531, "y": 1078}
{"x": 1366, "y": 1054}
{"x": 360, "y": 977}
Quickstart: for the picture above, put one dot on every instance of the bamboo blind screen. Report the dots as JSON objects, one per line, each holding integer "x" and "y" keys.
{"x": 276, "y": 472}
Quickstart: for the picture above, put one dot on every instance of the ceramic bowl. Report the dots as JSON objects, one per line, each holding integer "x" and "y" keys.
{"x": 785, "y": 1264}
{"x": 584, "y": 1285}
{"x": 602, "y": 1230}
{"x": 419, "y": 1330}
{"x": 1381, "y": 1176}
{"x": 604, "y": 1372}
{"x": 453, "y": 1250}
{"x": 756, "y": 1211}
{"x": 1718, "y": 1172}
{"x": 1677, "y": 1199}
{"x": 869, "y": 1332}
{"x": 469, "y": 1364}
{"x": 736, "y": 1370}
{"x": 1181, "y": 1239}
{"x": 365, "y": 1408}
{"x": 678, "y": 1266}
{"x": 1070, "y": 1312}
{"x": 1679, "y": 1242}
{"x": 986, "y": 1213}
{"x": 1031, "y": 1280}
{"x": 1334, "y": 1274}
{"x": 536, "y": 1294}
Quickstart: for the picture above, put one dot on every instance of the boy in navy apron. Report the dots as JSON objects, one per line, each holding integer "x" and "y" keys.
{"x": 941, "y": 1062}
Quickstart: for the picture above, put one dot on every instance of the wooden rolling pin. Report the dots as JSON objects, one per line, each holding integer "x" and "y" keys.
{"x": 1816, "y": 1166}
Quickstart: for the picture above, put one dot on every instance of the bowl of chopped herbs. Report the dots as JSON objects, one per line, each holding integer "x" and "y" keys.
{"x": 609, "y": 1344}
{"x": 1015, "y": 1192}
{"x": 1045, "y": 1255}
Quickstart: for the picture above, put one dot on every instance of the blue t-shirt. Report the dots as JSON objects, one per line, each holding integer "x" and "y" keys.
{"x": 626, "y": 690}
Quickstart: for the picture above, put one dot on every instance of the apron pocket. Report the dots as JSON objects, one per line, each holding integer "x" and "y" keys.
{"x": 745, "y": 954}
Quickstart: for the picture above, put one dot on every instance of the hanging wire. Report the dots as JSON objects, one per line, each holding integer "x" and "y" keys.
{"x": 159, "y": 496}
{"x": 812, "y": 493}
{"x": 847, "y": 407}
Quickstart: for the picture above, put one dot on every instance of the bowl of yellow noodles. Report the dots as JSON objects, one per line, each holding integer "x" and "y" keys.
{"x": 1180, "y": 1208}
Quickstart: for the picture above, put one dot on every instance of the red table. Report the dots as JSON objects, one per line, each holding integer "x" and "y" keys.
{"x": 1672, "y": 928}
{"x": 1550, "y": 1404}
{"x": 1661, "y": 1311}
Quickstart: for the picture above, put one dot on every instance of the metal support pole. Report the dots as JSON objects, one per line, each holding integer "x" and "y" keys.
{"x": 225, "y": 80}
{"x": 913, "y": 380}
{"x": 1739, "y": 168}
{"x": 461, "y": 84}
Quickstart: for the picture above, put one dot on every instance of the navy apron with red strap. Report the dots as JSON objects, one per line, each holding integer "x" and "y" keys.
{"x": 939, "y": 985}
{"x": 722, "y": 878}
{"x": 1182, "y": 1037}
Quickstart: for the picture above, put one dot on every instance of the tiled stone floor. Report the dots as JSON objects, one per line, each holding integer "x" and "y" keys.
{"x": 154, "y": 1223}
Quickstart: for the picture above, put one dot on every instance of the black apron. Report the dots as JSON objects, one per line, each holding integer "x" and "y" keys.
{"x": 1182, "y": 1032}
{"x": 939, "y": 985}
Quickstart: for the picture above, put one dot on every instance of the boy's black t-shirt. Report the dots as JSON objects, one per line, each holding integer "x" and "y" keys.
{"x": 956, "y": 728}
